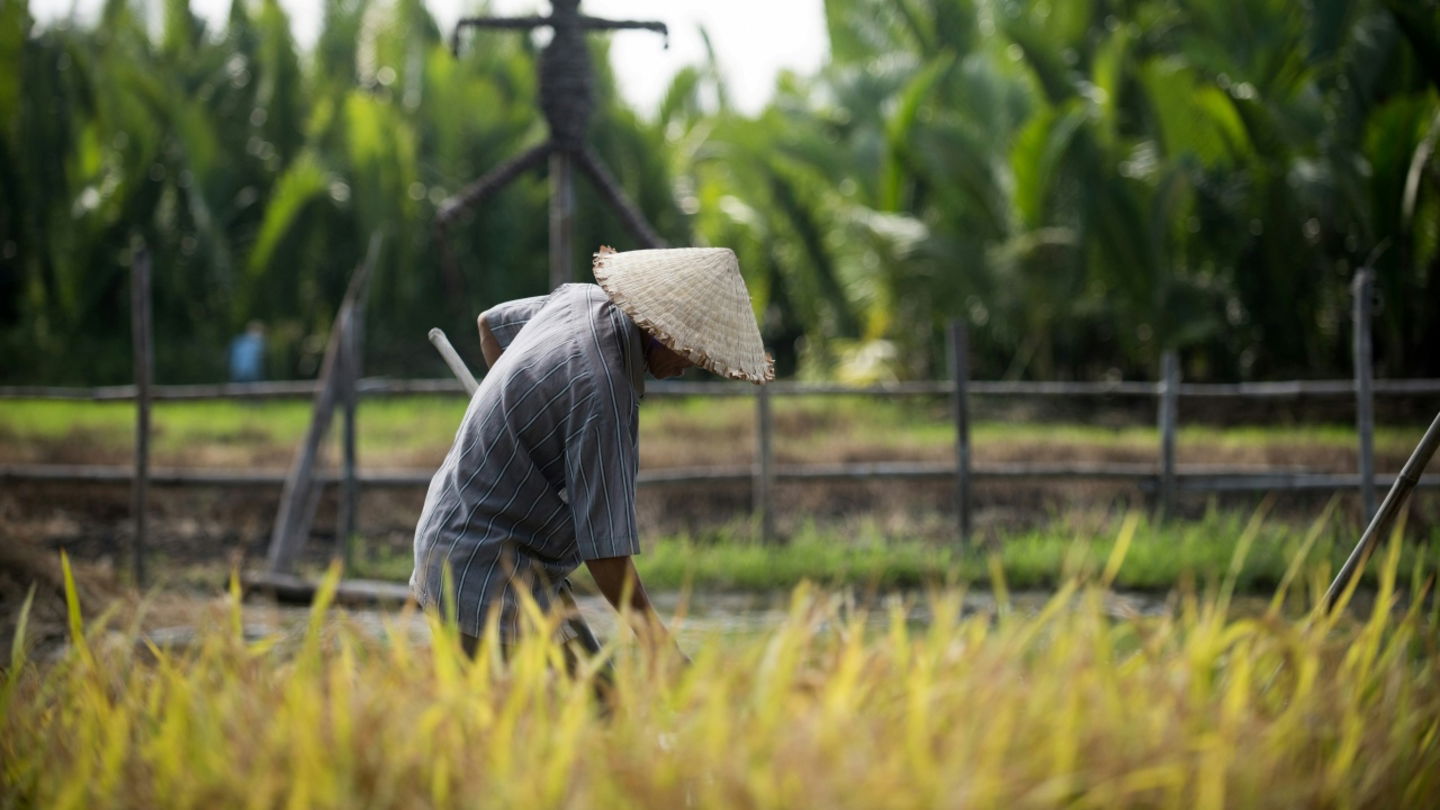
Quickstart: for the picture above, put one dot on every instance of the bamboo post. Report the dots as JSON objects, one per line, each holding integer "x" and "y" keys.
{"x": 301, "y": 494}
{"x": 144, "y": 352}
{"x": 297, "y": 501}
{"x": 960, "y": 374}
{"x": 562, "y": 216}
{"x": 350, "y": 489}
{"x": 1384, "y": 518}
{"x": 764, "y": 478}
{"x": 1364, "y": 393}
{"x": 1169, "y": 395}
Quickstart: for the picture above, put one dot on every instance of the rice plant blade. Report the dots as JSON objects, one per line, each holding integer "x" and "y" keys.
{"x": 22, "y": 624}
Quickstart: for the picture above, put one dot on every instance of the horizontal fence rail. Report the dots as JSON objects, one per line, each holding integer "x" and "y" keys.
{"x": 380, "y": 386}
{"x": 1144, "y": 477}
{"x": 1160, "y": 480}
{"x": 1148, "y": 478}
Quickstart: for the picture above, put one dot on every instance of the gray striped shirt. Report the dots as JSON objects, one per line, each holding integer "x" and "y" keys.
{"x": 541, "y": 476}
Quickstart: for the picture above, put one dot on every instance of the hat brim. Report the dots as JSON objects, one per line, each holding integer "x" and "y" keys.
{"x": 727, "y": 344}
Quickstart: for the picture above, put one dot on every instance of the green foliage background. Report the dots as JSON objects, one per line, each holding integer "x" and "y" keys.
{"x": 1086, "y": 182}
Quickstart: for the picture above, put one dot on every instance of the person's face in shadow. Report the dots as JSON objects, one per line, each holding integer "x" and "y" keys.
{"x": 662, "y": 362}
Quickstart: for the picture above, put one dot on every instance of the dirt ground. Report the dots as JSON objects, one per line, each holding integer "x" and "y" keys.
{"x": 195, "y": 523}
{"x": 205, "y": 525}
{"x": 198, "y": 534}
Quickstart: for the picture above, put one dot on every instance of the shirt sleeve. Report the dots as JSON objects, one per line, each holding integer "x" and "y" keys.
{"x": 507, "y": 319}
{"x": 600, "y": 469}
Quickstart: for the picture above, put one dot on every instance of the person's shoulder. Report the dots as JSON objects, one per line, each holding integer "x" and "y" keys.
{"x": 518, "y": 309}
{"x": 582, "y": 292}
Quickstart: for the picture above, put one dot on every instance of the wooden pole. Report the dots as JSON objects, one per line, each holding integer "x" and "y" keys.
{"x": 1168, "y": 416}
{"x": 300, "y": 495}
{"x": 144, "y": 352}
{"x": 960, "y": 374}
{"x": 1389, "y": 510}
{"x": 452, "y": 359}
{"x": 609, "y": 189}
{"x": 1364, "y": 385}
{"x": 297, "y": 501}
{"x": 764, "y": 477}
{"x": 350, "y": 491}
{"x": 562, "y": 217}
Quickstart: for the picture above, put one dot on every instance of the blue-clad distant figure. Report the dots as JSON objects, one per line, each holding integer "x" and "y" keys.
{"x": 247, "y": 354}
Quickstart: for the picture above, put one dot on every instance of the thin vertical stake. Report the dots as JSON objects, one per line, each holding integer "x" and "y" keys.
{"x": 1168, "y": 416}
{"x": 765, "y": 465}
{"x": 300, "y": 493}
{"x": 562, "y": 216}
{"x": 350, "y": 359}
{"x": 960, "y": 373}
{"x": 1364, "y": 395}
{"x": 144, "y": 353}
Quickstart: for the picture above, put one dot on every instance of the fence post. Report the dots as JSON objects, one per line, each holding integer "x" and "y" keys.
{"x": 1169, "y": 395}
{"x": 960, "y": 374}
{"x": 765, "y": 465}
{"x": 1364, "y": 395}
{"x": 144, "y": 353}
{"x": 562, "y": 216}
{"x": 350, "y": 491}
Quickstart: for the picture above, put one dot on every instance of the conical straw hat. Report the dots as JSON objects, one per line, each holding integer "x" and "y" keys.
{"x": 694, "y": 301}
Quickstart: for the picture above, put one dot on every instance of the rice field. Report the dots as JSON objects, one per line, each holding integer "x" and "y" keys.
{"x": 1063, "y": 705}
{"x": 867, "y": 557}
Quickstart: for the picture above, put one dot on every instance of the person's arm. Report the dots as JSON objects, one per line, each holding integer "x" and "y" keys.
{"x": 489, "y": 346}
{"x": 614, "y": 575}
{"x": 500, "y": 324}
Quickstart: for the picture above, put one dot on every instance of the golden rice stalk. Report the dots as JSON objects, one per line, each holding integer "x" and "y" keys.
{"x": 1061, "y": 707}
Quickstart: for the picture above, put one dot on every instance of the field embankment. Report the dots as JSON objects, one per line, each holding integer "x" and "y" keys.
{"x": 867, "y": 534}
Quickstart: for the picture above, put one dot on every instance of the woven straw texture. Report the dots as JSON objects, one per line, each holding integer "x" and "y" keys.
{"x": 694, "y": 301}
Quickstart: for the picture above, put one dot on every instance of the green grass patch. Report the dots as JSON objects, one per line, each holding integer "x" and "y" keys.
{"x": 403, "y": 424}
{"x": 385, "y": 425}
{"x": 1160, "y": 556}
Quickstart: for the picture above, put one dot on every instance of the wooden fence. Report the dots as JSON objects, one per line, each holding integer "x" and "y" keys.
{"x": 1164, "y": 480}
{"x": 387, "y": 387}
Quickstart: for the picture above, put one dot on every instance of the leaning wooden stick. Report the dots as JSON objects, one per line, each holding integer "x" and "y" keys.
{"x": 574, "y": 619}
{"x": 1389, "y": 510}
{"x": 452, "y": 359}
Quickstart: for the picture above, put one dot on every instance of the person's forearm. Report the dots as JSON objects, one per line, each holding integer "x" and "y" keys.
{"x": 612, "y": 576}
{"x": 489, "y": 346}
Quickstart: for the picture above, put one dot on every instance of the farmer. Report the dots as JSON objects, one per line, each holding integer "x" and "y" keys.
{"x": 541, "y": 476}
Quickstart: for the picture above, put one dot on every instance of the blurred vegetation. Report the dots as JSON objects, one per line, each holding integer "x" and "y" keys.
{"x": 1158, "y": 557}
{"x": 1086, "y": 182}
